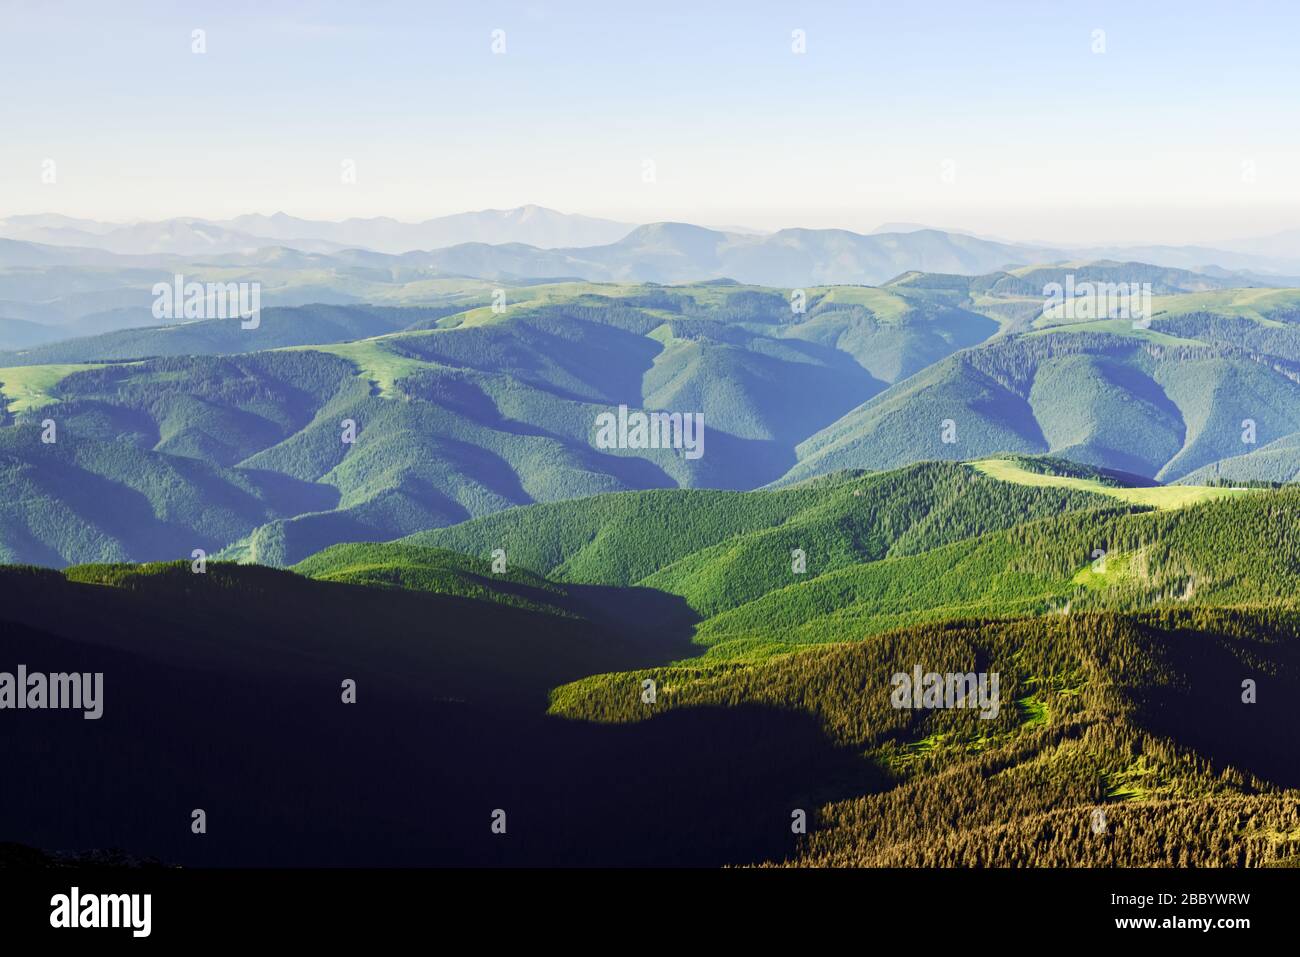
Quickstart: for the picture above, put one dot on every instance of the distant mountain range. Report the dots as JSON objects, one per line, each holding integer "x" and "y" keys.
{"x": 531, "y": 242}
{"x": 51, "y": 293}
{"x": 189, "y": 236}
{"x": 680, "y": 252}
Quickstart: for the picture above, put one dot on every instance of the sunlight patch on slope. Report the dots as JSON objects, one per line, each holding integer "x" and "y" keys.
{"x": 1159, "y": 496}
{"x": 27, "y": 388}
{"x": 1254, "y": 304}
{"x": 885, "y": 305}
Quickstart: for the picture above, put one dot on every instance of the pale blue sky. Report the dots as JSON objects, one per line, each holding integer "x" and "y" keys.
{"x": 1187, "y": 128}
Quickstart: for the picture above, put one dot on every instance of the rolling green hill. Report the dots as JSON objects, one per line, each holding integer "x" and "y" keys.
{"x": 456, "y": 415}
{"x": 465, "y": 412}
{"x": 936, "y": 541}
{"x": 720, "y": 549}
{"x": 1168, "y": 557}
{"x": 434, "y": 570}
{"x": 1118, "y": 401}
{"x": 1278, "y": 461}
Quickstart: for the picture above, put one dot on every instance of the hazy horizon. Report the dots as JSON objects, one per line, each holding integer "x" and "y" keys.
{"x": 1173, "y": 124}
{"x": 814, "y": 220}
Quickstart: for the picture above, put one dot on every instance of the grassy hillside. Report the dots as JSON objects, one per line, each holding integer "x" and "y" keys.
{"x": 1265, "y": 306}
{"x": 1153, "y": 496}
{"x": 26, "y": 389}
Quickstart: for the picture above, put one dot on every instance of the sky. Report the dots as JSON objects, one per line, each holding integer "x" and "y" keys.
{"x": 1178, "y": 122}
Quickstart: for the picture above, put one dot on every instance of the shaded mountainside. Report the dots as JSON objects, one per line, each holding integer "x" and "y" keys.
{"x": 223, "y": 691}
